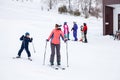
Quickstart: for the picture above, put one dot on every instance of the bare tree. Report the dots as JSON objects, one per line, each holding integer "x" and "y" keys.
{"x": 69, "y": 4}
{"x": 90, "y": 6}
{"x": 84, "y": 8}
{"x": 98, "y": 8}
{"x": 50, "y": 4}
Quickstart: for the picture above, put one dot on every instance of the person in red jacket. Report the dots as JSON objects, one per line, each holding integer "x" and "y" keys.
{"x": 85, "y": 32}
{"x": 55, "y": 43}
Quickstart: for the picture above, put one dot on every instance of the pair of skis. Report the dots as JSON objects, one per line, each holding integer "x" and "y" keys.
{"x": 66, "y": 53}
{"x": 52, "y": 66}
{"x": 20, "y": 58}
{"x": 57, "y": 67}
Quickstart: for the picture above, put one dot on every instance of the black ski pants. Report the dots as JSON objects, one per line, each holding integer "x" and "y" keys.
{"x": 26, "y": 49}
{"x": 53, "y": 48}
{"x": 85, "y": 36}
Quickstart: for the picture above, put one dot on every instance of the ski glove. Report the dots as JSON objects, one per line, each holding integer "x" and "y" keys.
{"x": 72, "y": 29}
{"x": 31, "y": 39}
{"x": 65, "y": 40}
{"x": 47, "y": 40}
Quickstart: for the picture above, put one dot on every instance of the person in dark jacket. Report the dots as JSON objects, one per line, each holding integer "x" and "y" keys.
{"x": 85, "y": 32}
{"x": 55, "y": 44}
{"x": 74, "y": 29}
{"x": 25, "y": 43}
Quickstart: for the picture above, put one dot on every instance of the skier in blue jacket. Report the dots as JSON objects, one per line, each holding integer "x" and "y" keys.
{"x": 74, "y": 29}
{"x": 25, "y": 42}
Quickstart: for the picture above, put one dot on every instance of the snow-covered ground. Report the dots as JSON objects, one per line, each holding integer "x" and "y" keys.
{"x": 99, "y": 59}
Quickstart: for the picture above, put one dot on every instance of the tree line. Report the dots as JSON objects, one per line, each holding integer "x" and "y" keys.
{"x": 85, "y": 8}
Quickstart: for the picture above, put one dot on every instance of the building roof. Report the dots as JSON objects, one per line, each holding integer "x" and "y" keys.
{"x": 109, "y": 2}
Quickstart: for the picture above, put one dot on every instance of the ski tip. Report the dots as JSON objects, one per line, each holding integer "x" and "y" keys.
{"x": 63, "y": 68}
{"x": 30, "y": 59}
{"x": 56, "y": 68}
{"x": 13, "y": 57}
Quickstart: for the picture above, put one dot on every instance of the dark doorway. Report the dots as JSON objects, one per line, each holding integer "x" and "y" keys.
{"x": 109, "y": 20}
{"x": 118, "y": 21}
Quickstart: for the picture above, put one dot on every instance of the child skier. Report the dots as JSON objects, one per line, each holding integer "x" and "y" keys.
{"x": 25, "y": 43}
{"x": 55, "y": 44}
{"x": 66, "y": 30}
{"x": 82, "y": 34}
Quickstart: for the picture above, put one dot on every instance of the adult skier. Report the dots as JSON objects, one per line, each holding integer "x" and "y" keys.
{"x": 55, "y": 44}
{"x": 66, "y": 30}
{"x": 74, "y": 29}
{"x": 25, "y": 43}
{"x": 85, "y": 32}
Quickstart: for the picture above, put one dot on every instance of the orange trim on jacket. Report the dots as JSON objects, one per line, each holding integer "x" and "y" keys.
{"x": 55, "y": 36}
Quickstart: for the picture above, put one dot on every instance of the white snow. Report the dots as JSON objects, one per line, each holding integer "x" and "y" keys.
{"x": 99, "y": 59}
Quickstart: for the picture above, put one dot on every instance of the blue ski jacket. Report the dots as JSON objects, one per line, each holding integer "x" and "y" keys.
{"x": 25, "y": 41}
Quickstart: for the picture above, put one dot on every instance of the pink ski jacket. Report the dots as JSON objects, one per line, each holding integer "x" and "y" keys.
{"x": 55, "y": 36}
{"x": 66, "y": 29}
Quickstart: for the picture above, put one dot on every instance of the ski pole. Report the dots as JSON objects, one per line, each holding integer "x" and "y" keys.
{"x": 67, "y": 53}
{"x": 45, "y": 53}
{"x": 33, "y": 48}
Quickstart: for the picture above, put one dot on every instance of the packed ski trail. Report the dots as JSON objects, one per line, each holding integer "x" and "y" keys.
{"x": 99, "y": 59}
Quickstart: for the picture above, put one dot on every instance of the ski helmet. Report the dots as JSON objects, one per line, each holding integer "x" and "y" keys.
{"x": 27, "y": 33}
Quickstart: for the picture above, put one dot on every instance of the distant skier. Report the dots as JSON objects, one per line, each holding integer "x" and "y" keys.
{"x": 66, "y": 30}
{"x": 82, "y": 34}
{"x": 55, "y": 44}
{"x": 75, "y": 27}
{"x": 85, "y": 32}
{"x": 25, "y": 43}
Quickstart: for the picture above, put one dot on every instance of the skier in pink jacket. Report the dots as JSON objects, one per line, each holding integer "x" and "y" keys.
{"x": 66, "y": 30}
{"x": 55, "y": 44}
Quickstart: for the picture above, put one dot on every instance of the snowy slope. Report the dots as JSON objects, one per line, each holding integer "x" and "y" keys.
{"x": 99, "y": 59}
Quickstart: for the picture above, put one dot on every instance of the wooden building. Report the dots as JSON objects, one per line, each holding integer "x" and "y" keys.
{"x": 111, "y": 16}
